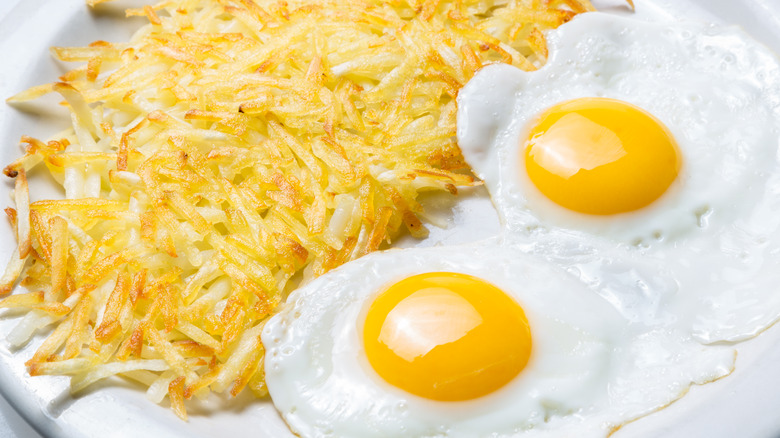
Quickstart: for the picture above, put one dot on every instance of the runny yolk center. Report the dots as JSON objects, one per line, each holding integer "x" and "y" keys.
{"x": 601, "y": 156}
{"x": 446, "y": 336}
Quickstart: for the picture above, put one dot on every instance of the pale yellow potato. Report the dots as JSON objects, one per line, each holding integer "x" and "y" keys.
{"x": 228, "y": 152}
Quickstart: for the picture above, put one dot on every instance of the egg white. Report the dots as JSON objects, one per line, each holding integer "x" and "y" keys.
{"x": 705, "y": 254}
{"x": 591, "y": 369}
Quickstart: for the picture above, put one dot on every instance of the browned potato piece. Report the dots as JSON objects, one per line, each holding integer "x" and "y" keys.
{"x": 229, "y": 151}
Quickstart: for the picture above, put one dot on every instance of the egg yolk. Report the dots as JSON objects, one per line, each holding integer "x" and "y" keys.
{"x": 601, "y": 156}
{"x": 446, "y": 336}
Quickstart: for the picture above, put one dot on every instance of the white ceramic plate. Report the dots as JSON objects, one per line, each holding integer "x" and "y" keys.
{"x": 745, "y": 404}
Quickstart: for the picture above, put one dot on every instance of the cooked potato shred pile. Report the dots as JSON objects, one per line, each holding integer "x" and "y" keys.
{"x": 227, "y": 152}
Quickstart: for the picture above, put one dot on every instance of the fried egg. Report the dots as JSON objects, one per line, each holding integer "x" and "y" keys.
{"x": 632, "y": 130}
{"x": 465, "y": 341}
{"x": 642, "y": 144}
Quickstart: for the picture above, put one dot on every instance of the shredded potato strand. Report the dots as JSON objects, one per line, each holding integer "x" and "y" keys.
{"x": 228, "y": 152}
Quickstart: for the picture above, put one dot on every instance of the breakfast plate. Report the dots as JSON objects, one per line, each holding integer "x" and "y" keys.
{"x": 739, "y": 405}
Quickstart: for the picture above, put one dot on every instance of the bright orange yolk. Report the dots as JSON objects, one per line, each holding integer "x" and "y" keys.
{"x": 601, "y": 156}
{"x": 446, "y": 336}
